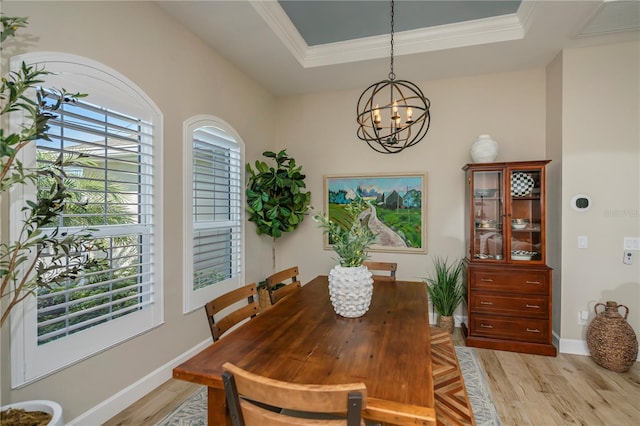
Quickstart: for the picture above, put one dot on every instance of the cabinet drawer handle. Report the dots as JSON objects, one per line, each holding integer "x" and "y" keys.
{"x": 533, "y": 282}
{"x": 533, "y": 330}
{"x": 484, "y": 302}
{"x": 487, "y": 280}
{"x": 532, "y": 306}
{"x": 485, "y": 326}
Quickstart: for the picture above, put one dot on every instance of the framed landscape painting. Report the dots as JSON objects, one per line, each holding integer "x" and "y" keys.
{"x": 397, "y": 207}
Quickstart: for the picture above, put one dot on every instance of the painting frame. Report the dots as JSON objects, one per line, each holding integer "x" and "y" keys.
{"x": 398, "y": 234}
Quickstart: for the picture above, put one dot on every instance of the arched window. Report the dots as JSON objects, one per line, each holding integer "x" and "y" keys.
{"x": 117, "y": 129}
{"x": 214, "y": 225}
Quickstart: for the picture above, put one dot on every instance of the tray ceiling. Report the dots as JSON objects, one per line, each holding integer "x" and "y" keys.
{"x": 296, "y": 47}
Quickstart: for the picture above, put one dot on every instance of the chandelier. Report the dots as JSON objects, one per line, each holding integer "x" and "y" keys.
{"x": 392, "y": 114}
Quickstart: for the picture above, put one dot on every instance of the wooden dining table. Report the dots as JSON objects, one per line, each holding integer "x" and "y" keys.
{"x": 301, "y": 340}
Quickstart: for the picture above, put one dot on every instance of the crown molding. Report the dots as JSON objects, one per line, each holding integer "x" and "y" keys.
{"x": 281, "y": 25}
{"x": 526, "y": 13}
{"x": 469, "y": 33}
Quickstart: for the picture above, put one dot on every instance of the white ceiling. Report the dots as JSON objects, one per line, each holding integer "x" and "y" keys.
{"x": 328, "y": 21}
{"x": 260, "y": 38}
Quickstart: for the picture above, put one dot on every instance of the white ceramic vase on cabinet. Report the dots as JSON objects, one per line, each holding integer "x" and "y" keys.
{"x": 484, "y": 149}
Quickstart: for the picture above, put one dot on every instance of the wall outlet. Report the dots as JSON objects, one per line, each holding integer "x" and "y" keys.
{"x": 583, "y": 318}
{"x": 627, "y": 258}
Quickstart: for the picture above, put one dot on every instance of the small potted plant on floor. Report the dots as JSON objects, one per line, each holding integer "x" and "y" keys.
{"x": 446, "y": 290}
{"x": 350, "y": 282}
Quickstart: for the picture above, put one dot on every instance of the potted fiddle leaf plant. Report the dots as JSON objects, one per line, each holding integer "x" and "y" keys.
{"x": 350, "y": 282}
{"x": 446, "y": 290}
{"x": 276, "y": 201}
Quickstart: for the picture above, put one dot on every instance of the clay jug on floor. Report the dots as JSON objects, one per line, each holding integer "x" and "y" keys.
{"x": 611, "y": 340}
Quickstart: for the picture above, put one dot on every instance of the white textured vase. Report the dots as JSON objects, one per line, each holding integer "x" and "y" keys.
{"x": 484, "y": 149}
{"x": 350, "y": 290}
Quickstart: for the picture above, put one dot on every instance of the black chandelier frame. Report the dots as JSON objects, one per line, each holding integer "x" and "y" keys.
{"x": 393, "y": 135}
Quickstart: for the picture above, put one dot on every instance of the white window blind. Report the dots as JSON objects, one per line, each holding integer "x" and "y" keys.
{"x": 114, "y": 192}
{"x": 216, "y": 207}
{"x": 214, "y": 197}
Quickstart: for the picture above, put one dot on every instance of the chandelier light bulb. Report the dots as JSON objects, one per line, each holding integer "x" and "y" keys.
{"x": 376, "y": 115}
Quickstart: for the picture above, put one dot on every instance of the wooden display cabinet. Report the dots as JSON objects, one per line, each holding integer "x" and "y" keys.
{"x": 508, "y": 282}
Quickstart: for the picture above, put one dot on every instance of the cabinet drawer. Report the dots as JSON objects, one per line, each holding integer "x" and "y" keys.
{"x": 529, "y": 282}
{"x": 498, "y": 304}
{"x": 521, "y": 329}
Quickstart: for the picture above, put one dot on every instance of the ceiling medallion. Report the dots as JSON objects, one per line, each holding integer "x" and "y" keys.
{"x": 393, "y": 114}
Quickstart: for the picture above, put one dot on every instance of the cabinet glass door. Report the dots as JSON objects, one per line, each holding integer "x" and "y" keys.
{"x": 488, "y": 214}
{"x": 526, "y": 216}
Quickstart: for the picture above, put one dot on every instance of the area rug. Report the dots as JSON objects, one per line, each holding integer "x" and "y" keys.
{"x": 452, "y": 404}
{"x": 462, "y": 395}
{"x": 484, "y": 410}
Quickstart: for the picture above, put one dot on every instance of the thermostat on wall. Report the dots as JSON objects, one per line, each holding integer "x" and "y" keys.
{"x": 581, "y": 202}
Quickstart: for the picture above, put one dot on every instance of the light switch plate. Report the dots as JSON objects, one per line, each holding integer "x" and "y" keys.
{"x": 631, "y": 243}
{"x": 583, "y": 242}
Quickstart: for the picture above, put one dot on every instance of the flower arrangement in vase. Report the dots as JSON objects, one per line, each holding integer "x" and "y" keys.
{"x": 350, "y": 282}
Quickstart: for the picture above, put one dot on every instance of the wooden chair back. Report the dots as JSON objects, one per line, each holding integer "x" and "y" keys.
{"x": 289, "y": 279}
{"x": 221, "y": 325}
{"x": 388, "y": 267}
{"x": 248, "y": 394}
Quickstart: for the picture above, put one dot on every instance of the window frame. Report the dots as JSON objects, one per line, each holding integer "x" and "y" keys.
{"x": 106, "y": 87}
{"x": 196, "y": 299}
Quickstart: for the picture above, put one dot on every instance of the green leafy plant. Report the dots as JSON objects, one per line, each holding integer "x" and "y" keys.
{"x": 445, "y": 288}
{"x": 276, "y": 200}
{"x": 350, "y": 243}
{"x": 41, "y": 255}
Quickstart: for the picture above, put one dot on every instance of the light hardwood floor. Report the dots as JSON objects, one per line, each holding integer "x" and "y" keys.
{"x": 527, "y": 390}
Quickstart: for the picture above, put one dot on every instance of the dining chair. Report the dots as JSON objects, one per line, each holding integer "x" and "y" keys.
{"x": 388, "y": 267}
{"x": 224, "y": 323}
{"x": 283, "y": 283}
{"x": 255, "y": 400}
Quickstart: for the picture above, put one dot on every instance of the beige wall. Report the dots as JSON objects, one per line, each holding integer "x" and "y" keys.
{"x": 320, "y": 132}
{"x": 554, "y": 187}
{"x": 594, "y": 90}
{"x": 582, "y": 112}
{"x": 601, "y": 158}
{"x": 184, "y": 78}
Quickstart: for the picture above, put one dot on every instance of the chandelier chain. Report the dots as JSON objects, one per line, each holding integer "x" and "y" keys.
{"x": 392, "y": 75}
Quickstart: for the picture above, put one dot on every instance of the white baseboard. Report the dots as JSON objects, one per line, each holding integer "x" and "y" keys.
{"x": 573, "y": 346}
{"x": 577, "y": 347}
{"x": 127, "y": 396}
{"x": 459, "y": 319}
